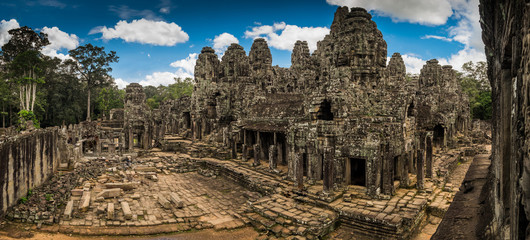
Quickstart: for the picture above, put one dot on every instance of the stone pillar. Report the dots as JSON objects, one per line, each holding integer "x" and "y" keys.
{"x": 428, "y": 158}
{"x": 256, "y": 154}
{"x": 98, "y": 147}
{"x": 420, "y": 175}
{"x": 233, "y": 154}
{"x": 404, "y": 179}
{"x": 279, "y": 148}
{"x": 329, "y": 157}
{"x": 112, "y": 148}
{"x": 388, "y": 173}
{"x": 245, "y": 152}
{"x": 299, "y": 157}
{"x": 410, "y": 162}
{"x": 145, "y": 140}
{"x": 273, "y": 156}
{"x": 131, "y": 139}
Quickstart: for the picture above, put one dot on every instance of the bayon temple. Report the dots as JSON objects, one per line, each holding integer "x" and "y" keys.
{"x": 343, "y": 138}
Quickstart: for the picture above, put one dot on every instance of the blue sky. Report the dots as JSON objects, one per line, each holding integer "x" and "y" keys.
{"x": 158, "y": 40}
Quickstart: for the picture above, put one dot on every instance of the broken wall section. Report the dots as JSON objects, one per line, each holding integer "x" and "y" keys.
{"x": 26, "y": 161}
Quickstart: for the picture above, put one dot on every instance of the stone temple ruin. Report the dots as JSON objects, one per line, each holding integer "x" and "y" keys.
{"x": 338, "y": 139}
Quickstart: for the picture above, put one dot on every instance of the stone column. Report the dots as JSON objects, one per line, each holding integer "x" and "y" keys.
{"x": 410, "y": 161}
{"x": 328, "y": 170}
{"x": 98, "y": 147}
{"x": 388, "y": 173}
{"x": 131, "y": 139}
{"x": 299, "y": 157}
{"x": 279, "y": 148}
{"x": 273, "y": 156}
{"x": 112, "y": 148}
{"x": 404, "y": 179}
{"x": 420, "y": 175}
{"x": 256, "y": 154}
{"x": 428, "y": 158}
{"x": 245, "y": 152}
{"x": 233, "y": 154}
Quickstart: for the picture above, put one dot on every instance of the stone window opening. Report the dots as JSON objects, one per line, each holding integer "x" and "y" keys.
{"x": 324, "y": 111}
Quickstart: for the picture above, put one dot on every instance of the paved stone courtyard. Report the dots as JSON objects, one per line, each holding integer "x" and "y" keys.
{"x": 190, "y": 189}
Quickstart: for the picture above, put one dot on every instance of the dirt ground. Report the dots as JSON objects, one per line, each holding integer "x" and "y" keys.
{"x": 24, "y": 232}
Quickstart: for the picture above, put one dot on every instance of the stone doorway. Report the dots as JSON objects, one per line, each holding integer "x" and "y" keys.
{"x": 356, "y": 171}
{"x": 438, "y": 135}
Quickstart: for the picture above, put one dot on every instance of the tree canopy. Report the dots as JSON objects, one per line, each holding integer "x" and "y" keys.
{"x": 475, "y": 84}
{"x": 92, "y": 64}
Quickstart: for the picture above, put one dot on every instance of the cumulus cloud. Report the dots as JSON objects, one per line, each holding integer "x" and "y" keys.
{"x": 59, "y": 40}
{"x": 187, "y": 64}
{"x": 413, "y": 63}
{"x": 430, "y": 12}
{"x": 164, "y": 78}
{"x": 145, "y": 31}
{"x": 222, "y": 41}
{"x": 185, "y": 68}
{"x": 5, "y": 26}
{"x": 283, "y": 36}
{"x": 121, "y": 83}
{"x": 465, "y": 55}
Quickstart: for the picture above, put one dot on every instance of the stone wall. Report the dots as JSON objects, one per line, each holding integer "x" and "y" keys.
{"x": 26, "y": 161}
{"x": 506, "y": 34}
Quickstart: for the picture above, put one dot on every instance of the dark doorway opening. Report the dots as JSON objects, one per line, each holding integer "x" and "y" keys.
{"x": 358, "y": 171}
{"x": 304, "y": 164}
{"x": 324, "y": 112}
{"x": 410, "y": 110}
{"x": 438, "y": 135}
{"x": 396, "y": 168}
{"x": 187, "y": 119}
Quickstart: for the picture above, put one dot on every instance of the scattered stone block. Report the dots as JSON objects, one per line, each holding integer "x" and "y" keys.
{"x": 127, "y": 213}
{"x": 145, "y": 169}
{"x": 85, "y": 201}
{"x": 109, "y": 193}
{"x": 110, "y": 211}
{"x": 77, "y": 192}
{"x": 68, "y": 210}
{"x": 122, "y": 185}
{"x": 176, "y": 200}
{"x": 163, "y": 201}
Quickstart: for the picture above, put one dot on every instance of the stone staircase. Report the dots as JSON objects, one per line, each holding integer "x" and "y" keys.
{"x": 283, "y": 217}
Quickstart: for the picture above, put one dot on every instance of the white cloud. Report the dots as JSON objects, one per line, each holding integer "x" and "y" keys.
{"x": 164, "y": 10}
{"x": 121, "y": 83}
{"x": 164, "y": 78}
{"x": 222, "y": 41}
{"x": 59, "y": 40}
{"x": 5, "y": 26}
{"x": 413, "y": 63}
{"x": 465, "y": 55}
{"x": 185, "y": 68}
{"x": 430, "y": 12}
{"x": 289, "y": 35}
{"x": 145, "y": 31}
{"x": 187, "y": 64}
{"x": 437, "y": 37}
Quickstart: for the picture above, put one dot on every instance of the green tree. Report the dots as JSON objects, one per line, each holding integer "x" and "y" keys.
{"x": 92, "y": 63}
{"x": 474, "y": 83}
{"x": 22, "y": 40}
{"x": 21, "y": 60}
{"x": 27, "y": 70}
{"x": 110, "y": 98}
{"x": 181, "y": 88}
